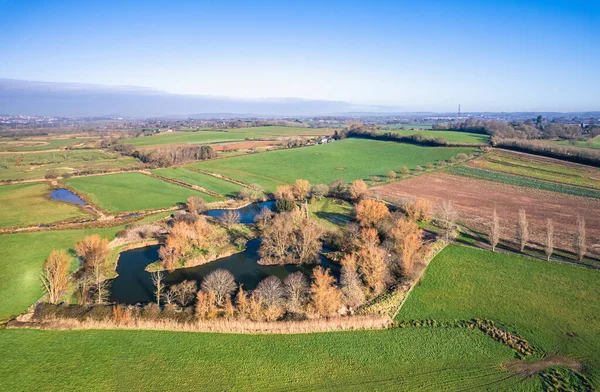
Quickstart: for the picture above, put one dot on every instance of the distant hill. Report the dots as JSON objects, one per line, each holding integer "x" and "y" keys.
{"x": 86, "y": 100}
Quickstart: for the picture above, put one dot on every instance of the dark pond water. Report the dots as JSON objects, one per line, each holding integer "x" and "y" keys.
{"x": 247, "y": 213}
{"x": 134, "y": 284}
{"x": 62, "y": 194}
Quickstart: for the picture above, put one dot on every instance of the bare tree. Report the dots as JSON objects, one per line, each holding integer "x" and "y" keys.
{"x": 157, "y": 279}
{"x": 263, "y": 218}
{"x": 326, "y": 297}
{"x": 55, "y": 275}
{"x": 494, "y": 231}
{"x": 351, "y": 285}
{"x": 220, "y": 282}
{"x": 270, "y": 290}
{"x": 183, "y": 293}
{"x": 549, "y": 248}
{"x": 580, "y": 247}
{"x": 230, "y": 218}
{"x": 307, "y": 243}
{"x": 522, "y": 229}
{"x": 196, "y": 205}
{"x": 93, "y": 251}
{"x": 446, "y": 217}
{"x": 320, "y": 190}
{"x": 295, "y": 288}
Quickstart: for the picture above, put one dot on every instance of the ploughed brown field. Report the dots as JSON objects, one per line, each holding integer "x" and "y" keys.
{"x": 475, "y": 199}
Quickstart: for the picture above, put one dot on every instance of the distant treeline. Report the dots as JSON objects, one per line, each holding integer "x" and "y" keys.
{"x": 417, "y": 139}
{"x": 522, "y": 129}
{"x": 167, "y": 155}
{"x": 567, "y": 153}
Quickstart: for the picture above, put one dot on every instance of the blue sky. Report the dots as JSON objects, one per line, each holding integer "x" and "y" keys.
{"x": 414, "y": 55}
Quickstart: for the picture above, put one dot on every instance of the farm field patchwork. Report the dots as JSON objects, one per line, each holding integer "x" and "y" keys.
{"x": 553, "y": 305}
{"x": 539, "y": 167}
{"x": 349, "y": 159}
{"x": 517, "y": 180}
{"x": 475, "y": 199}
{"x": 126, "y": 192}
{"x": 211, "y": 183}
{"x": 17, "y": 166}
{"x": 398, "y": 359}
{"x": 450, "y": 136}
{"x": 29, "y": 204}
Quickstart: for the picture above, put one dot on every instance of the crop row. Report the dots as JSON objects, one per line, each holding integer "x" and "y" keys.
{"x": 523, "y": 181}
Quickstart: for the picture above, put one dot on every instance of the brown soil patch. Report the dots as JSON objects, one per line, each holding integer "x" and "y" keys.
{"x": 528, "y": 369}
{"x": 339, "y": 168}
{"x": 475, "y": 199}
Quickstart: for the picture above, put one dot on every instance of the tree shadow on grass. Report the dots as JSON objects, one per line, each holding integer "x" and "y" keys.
{"x": 334, "y": 217}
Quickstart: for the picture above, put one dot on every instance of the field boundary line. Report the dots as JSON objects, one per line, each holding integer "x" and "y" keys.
{"x": 183, "y": 184}
{"x": 219, "y": 176}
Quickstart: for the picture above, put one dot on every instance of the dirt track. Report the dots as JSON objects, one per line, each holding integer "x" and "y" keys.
{"x": 475, "y": 200}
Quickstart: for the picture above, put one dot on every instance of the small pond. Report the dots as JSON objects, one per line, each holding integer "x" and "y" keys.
{"x": 134, "y": 285}
{"x": 63, "y": 194}
{"x": 247, "y": 213}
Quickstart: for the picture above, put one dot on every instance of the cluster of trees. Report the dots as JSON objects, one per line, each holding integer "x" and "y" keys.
{"x": 173, "y": 155}
{"x": 522, "y": 235}
{"x": 219, "y": 296}
{"x": 517, "y": 129}
{"x": 290, "y": 237}
{"x": 190, "y": 237}
{"x": 252, "y": 192}
{"x": 90, "y": 279}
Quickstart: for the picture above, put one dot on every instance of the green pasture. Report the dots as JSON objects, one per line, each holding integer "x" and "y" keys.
{"x": 570, "y": 174}
{"x": 555, "y": 306}
{"x": 22, "y": 256}
{"x": 349, "y": 159}
{"x": 211, "y": 183}
{"x": 30, "y": 204}
{"x": 450, "y": 136}
{"x": 207, "y": 137}
{"x": 36, "y": 165}
{"x": 126, "y": 192}
{"x": 395, "y": 359}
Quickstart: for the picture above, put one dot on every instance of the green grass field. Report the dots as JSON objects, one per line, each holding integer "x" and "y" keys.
{"x": 555, "y": 306}
{"x": 206, "y": 137}
{"x": 450, "y": 136}
{"x": 29, "y": 204}
{"x": 396, "y": 359}
{"x": 132, "y": 192}
{"x": 510, "y": 179}
{"x": 523, "y": 165}
{"x": 214, "y": 184}
{"x": 349, "y": 159}
{"x": 28, "y": 166}
{"x": 332, "y": 213}
{"x": 21, "y": 261}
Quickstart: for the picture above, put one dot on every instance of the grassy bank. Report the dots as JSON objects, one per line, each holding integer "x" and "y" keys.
{"x": 211, "y": 183}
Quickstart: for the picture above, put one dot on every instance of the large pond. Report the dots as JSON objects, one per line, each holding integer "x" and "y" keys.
{"x": 134, "y": 285}
{"x": 247, "y": 213}
{"x": 63, "y": 194}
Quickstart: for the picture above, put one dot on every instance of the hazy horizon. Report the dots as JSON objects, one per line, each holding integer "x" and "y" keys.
{"x": 505, "y": 56}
